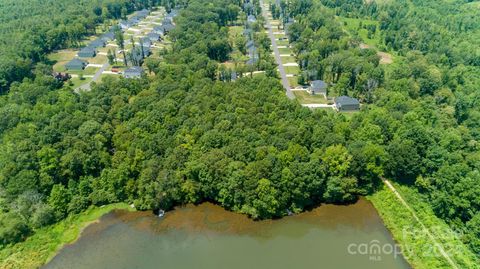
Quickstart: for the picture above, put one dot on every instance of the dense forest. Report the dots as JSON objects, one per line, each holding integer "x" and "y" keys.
{"x": 185, "y": 136}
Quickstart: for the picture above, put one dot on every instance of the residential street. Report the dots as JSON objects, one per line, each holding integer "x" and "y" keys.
{"x": 278, "y": 59}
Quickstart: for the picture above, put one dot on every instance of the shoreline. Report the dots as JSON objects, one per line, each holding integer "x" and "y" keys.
{"x": 46, "y": 243}
{"x": 38, "y": 249}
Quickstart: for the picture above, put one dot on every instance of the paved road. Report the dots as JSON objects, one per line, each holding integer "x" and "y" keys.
{"x": 86, "y": 86}
{"x": 283, "y": 75}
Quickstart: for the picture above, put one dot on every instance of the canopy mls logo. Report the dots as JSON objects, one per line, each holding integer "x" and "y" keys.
{"x": 374, "y": 250}
{"x": 433, "y": 248}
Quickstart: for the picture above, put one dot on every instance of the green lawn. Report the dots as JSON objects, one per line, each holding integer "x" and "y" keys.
{"x": 293, "y": 81}
{"x": 292, "y": 70}
{"x": 60, "y": 58}
{"x": 352, "y": 26}
{"x": 288, "y": 59}
{"x": 87, "y": 71}
{"x": 416, "y": 245}
{"x": 99, "y": 59}
{"x": 76, "y": 82}
{"x": 285, "y": 50}
{"x": 306, "y": 98}
{"x": 282, "y": 43}
{"x": 45, "y": 243}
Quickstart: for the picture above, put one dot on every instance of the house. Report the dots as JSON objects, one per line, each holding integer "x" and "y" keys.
{"x": 253, "y": 56}
{"x": 168, "y": 27}
{"x": 138, "y": 54}
{"x": 146, "y": 42}
{"x": 250, "y": 44}
{"x": 133, "y": 72}
{"x": 166, "y": 20}
{"x": 97, "y": 43}
{"x": 153, "y": 36}
{"x": 345, "y": 103}
{"x": 125, "y": 25}
{"x": 248, "y": 7}
{"x": 134, "y": 20}
{"x": 159, "y": 30}
{"x": 172, "y": 14}
{"x": 251, "y": 19}
{"x": 76, "y": 64}
{"x": 87, "y": 52}
{"x": 248, "y": 32}
{"x": 146, "y": 51}
{"x": 142, "y": 13}
{"x": 287, "y": 25}
{"x": 110, "y": 35}
{"x": 318, "y": 87}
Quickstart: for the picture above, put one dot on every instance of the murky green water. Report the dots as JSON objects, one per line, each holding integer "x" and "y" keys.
{"x": 206, "y": 236}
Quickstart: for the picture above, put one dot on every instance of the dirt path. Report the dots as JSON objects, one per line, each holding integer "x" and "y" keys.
{"x": 432, "y": 238}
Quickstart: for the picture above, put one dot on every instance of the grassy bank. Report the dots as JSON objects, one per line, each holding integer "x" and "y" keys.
{"x": 45, "y": 243}
{"x": 417, "y": 247}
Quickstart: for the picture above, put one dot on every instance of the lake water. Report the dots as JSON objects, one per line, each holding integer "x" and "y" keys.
{"x": 207, "y": 236}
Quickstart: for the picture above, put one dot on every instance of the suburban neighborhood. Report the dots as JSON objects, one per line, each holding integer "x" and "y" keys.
{"x": 143, "y": 34}
{"x": 315, "y": 94}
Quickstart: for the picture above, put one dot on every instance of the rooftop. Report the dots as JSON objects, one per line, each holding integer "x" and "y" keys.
{"x": 318, "y": 84}
{"x": 134, "y": 69}
{"x": 346, "y": 100}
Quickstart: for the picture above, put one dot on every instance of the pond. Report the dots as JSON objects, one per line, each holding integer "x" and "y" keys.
{"x": 207, "y": 236}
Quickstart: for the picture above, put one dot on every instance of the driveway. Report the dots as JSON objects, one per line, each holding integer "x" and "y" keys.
{"x": 276, "y": 52}
{"x": 86, "y": 86}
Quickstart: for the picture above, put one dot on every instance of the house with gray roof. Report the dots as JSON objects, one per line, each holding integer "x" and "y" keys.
{"x": 318, "y": 87}
{"x": 142, "y": 13}
{"x": 87, "y": 52}
{"x": 110, "y": 35}
{"x": 145, "y": 41}
{"x": 97, "y": 43}
{"x": 172, "y": 14}
{"x": 251, "y": 19}
{"x": 248, "y": 32}
{"x": 346, "y": 103}
{"x": 133, "y": 72}
{"x": 135, "y": 20}
{"x": 287, "y": 25}
{"x": 253, "y": 56}
{"x": 138, "y": 54}
{"x": 153, "y": 36}
{"x": 248, "y": 7}
{"x": 250, "y": 44}
{"x": 125, "y": 25}
{"x": 159, "y": 29}
{"x": 168, "y": 27}
{"x": 76, "y": 64}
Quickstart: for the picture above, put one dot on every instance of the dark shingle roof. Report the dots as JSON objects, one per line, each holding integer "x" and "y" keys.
{"x": 110, "y": 35}
{"x": 250, "y": 44}
{"x": 318, "y": 85}
{"x": 154, "y": 36}
{"x": 75, "y": 62}
{"x": 346, "y": 100}
{"x": 97, "y": 43}
{"x": 134, "y": 69}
